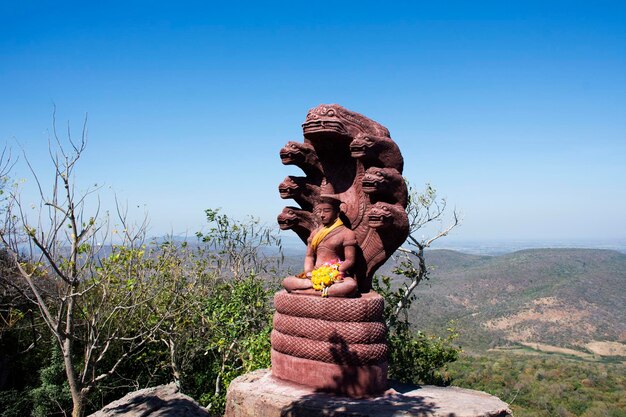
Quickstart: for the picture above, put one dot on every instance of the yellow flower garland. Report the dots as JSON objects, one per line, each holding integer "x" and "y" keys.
{"x": 325, "y": 276}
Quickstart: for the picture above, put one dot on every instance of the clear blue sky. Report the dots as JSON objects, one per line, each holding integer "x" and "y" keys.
{"x": 514, "y": 111}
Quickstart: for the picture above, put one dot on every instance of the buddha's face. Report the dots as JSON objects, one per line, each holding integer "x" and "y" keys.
{"x": 327, "y": 213}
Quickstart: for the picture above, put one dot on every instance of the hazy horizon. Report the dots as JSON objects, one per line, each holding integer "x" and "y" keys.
{"x": 294, "y": 246}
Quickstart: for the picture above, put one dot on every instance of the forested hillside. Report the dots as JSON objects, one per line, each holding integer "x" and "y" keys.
{"x": 568, "y": 298}
{"x": 542, "y": 329}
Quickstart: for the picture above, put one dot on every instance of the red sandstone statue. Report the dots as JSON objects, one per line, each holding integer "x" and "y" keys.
{"x": 353, "y": 160}
{"x": 352, "y": 218}
{"x": 331, "y": 244}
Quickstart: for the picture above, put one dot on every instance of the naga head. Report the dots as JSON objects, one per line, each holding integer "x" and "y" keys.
{"x": 382, "y": 215}
{"x": 288, "y": 218}
{"x": 288, "y": 188}
{"x": 385, "y": 184}
{"x": 362, "y": 146}
{"x": 377, "y": 179}
{"x": 294, "y": 153}
{"x": 325, "y": 119}
{"x": 337, "y": 120}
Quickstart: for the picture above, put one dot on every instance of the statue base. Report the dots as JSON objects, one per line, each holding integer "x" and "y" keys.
{"x": 354, "y": 381}
{"x": 259, "y": 393}
{"x": 335, "y": 345}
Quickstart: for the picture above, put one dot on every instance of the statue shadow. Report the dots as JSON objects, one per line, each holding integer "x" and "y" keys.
{"x": 338, "y": 400}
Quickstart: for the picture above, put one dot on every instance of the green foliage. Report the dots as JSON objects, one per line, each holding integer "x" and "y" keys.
{"x": 212, "y": 324}
{"x": 169, "y": 311}
{"x": 22, "y": 353}
{"x": 419, "y": 358}
{"x": 52, "y": 396}
{"x": 393, "y": 295}
{"x": 414, "y": 356}
{"x": 237, "y": 246}
{"x": 213, "y": 309}
{"x": 13, "y": 403}
{"x": 238, "y": 341}
{"x": 542, "y": 385}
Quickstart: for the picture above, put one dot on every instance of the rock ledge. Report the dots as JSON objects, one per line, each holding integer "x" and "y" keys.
{"x": 161, "y": 401}
{"x": 260, "y": 394}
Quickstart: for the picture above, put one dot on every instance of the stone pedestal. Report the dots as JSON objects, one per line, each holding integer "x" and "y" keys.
{"x": 336, "y": 345}
{"x": 259, "y": 393}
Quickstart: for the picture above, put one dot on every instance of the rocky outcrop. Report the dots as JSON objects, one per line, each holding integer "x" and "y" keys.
{"x": 161, "y": 401}
{"x": 260, "y": 394}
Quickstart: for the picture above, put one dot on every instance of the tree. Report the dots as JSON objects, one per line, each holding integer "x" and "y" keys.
{"x": 414, "y": 356}
{"x": 91, "y": 303}
{"x": 424, "y": 209}
{"x": 225, "y": 282}
{"x": 111, "y": 301}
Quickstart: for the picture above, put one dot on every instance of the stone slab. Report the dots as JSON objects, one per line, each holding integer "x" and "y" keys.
{"x": 259, "y": 393}
{"x": 161, "y": 401}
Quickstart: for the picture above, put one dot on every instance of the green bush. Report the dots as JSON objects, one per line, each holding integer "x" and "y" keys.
{"x": 52, "y": 396}
{"x": 14, "y": 403}
{"x": 414, "y": 357}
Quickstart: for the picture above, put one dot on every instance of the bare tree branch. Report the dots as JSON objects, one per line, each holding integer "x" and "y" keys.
{"x": 424, "y": 209}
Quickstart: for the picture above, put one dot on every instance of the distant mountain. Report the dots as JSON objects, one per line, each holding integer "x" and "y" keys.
{"x": 502, "y": 246}
{"x": 559, "y": 297}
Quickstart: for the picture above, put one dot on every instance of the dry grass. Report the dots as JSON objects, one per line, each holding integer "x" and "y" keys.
{"x": 542, "y": 347}
{"x": 607, "y": 348}
{"x": 529, "y": 324}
